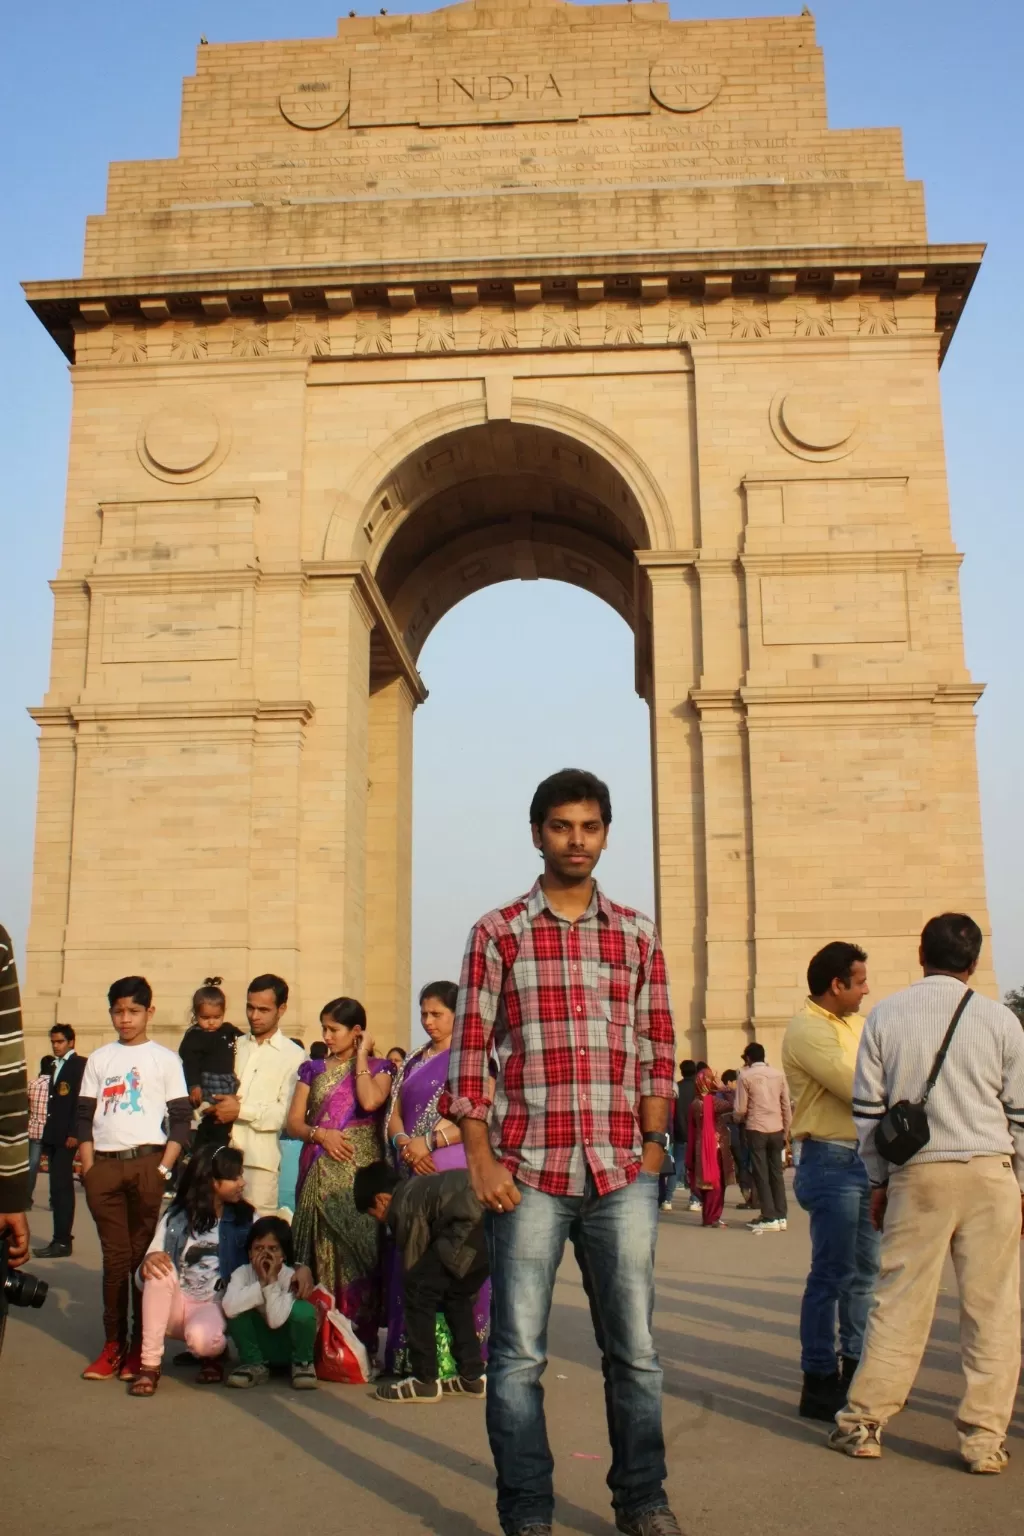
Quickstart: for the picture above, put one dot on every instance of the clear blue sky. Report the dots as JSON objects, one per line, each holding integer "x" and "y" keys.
{"x": 92, "y": 83}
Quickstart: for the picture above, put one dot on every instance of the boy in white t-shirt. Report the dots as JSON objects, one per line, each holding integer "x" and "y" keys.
{"x": 130, "y": 1089}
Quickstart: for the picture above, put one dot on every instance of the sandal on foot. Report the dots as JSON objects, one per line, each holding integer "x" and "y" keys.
{"x": 212, "y": 1373}
{"x": 145, "y": 1383}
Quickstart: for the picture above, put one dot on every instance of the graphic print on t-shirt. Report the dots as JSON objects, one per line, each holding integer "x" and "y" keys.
{"x": 200, "y": 1267}
{"x": 123, "y": 1093}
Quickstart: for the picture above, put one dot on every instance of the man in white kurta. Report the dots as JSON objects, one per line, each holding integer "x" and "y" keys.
{"x": 266, "y": 1064}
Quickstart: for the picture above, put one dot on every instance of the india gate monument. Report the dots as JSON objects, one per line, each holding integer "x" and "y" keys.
{"x": 512, "y": 289}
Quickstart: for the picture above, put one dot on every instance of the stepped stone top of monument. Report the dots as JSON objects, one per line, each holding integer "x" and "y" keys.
{"x": 508, "y": 139}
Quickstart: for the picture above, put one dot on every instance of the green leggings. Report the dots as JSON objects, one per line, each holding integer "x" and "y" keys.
{"x": 259, "y": 1344}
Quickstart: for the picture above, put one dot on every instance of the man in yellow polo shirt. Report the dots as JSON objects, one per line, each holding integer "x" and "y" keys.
{"x": 819, "y": 1056}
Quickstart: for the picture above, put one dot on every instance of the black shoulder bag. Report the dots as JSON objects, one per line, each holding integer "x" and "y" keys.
{"x": 904, "y": 1129}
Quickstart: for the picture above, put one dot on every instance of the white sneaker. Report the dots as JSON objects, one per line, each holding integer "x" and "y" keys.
{"x": 757, "y": 1227}
{"x": 666, "y": 1205}
{"x": 863, "y": 1441}
{"x": 694, "y": 1205}
{"x": 782, "y": 1224}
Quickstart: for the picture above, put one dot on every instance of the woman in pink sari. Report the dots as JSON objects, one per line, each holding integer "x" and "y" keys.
{"x": 704, "y": 1167}
{"x": 337, "y": 1110}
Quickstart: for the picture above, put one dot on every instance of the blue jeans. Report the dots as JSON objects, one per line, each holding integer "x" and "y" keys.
{"x": 35, "y": 1156}
{"x": 832, "y": 1185}
{"x": 613, "y": 1237}
{"x": 667, "y": 1181}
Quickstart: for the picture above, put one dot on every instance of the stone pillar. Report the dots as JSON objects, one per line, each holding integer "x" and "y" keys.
{"x": 51, "y": 879}
{"x": 677, "y": 790}
{"x": 727, "y": 830}
{"x": 333, "y": 795}
{"x": 388, "y": 993}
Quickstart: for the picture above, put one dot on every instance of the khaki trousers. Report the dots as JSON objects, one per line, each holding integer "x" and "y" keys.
{"x": 261, "y": 1189}
{"x": 973, "y": 1211}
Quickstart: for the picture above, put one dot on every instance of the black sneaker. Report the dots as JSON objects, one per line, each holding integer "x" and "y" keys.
{"x": 533, "y": 1530}
{"x": 465, "y": 1386}
{"x": 822, "y": 1396}
{"x": 653, "y": 1522}
{"x": 53, "y": 1250}
{"x": 409, "y": 1390}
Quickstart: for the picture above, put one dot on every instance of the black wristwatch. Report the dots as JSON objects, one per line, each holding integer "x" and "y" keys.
{"x": 662, "y": 1138}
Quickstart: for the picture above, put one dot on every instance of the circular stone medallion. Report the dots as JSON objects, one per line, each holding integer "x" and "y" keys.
{"x": 819, "y": 424}
{"x": 183, "y": 441}
{"x": 314, "y": 103}
{"x": 685, "y": 87}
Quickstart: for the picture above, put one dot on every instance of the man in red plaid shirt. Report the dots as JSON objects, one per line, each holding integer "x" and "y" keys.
{"x": 565, "y": 993}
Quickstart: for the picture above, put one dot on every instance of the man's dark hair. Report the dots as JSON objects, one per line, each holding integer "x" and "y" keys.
{"x": 318, "y": 1050}
{"x": 136, "y": 988}
{"x": 270, "y": 983}
{"x": 568, "y": 787}
{"x": 833, "y": 963}
{"x": 272, "y": 1226}
{"x": 950, "y": 942}
{"x": 700, "y": 1066}
{"x": 754, "y": 1052}
{"x": 373, "y": 1180}
{"x": 65, "y": 1030}
{"x": 730, "y": 1075}
{"x": 46, "y": 1065}
{"x": 687, "y": 1068}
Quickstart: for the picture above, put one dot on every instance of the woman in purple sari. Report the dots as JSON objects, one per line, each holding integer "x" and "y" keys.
{"x": 425, "y": 1142}
{"x": 337, "y": 1111}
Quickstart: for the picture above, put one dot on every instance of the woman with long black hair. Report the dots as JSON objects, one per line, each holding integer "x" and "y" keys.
{"x": 197, "y": 1246}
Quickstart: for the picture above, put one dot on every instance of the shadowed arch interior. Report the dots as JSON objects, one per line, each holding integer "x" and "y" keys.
{"x": 495, "y": 502}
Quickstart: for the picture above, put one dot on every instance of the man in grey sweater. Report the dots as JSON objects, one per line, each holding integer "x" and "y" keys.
{"x": 961, "y": 1194}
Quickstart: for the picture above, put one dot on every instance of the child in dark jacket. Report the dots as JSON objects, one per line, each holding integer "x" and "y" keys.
{"x": 438, "y": 1226}
{"x": 207, "y": 1054}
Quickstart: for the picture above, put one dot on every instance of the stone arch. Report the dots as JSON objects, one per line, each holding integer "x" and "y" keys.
{"x": 371, "y": 506}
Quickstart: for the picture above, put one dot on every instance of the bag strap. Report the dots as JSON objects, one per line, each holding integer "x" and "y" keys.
{"x": 944, "y": 1047}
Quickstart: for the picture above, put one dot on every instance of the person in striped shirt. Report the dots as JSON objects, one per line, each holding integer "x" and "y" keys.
{"x": 961, "y": 1194}
{"x": 15, "y": 1197}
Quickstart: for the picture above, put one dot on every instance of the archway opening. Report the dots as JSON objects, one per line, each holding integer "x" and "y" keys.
{"x": 525, "y": 678}
{"x": 499, "y": 521}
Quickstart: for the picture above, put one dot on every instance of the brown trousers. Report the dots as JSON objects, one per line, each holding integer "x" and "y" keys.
{"x": 973, "y": 1212}
{"x": 124, "y": 1198}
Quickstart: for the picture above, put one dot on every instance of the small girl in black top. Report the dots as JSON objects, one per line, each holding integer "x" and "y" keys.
{"x": 207, "y": 1054}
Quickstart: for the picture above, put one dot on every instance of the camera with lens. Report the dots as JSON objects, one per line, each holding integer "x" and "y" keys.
{"x": 17, "y": 1289}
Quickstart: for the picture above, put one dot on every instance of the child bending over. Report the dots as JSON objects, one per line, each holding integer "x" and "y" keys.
{"x": 267, "y": 1323}
{"x": 437, "y": 1222}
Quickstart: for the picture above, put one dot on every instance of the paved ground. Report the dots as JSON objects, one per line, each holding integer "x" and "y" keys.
{"x": 81, "y": 1457}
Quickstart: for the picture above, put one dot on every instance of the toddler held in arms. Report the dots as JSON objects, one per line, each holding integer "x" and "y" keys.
{"x": 266, "y": 1321}
{"x": 438, "y": 1226}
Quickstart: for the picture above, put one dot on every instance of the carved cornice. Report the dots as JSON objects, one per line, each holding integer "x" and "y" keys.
{"x": 300, "y": 710}
{"x": 639, "y": 278}
{"x": 357, "y": 572}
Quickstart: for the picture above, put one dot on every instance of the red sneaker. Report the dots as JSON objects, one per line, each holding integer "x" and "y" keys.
{"x": 107, "y": 1363}
{"x": 131, "y": 1365}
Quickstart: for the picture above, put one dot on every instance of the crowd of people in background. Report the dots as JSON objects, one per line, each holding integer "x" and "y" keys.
{"x": 242, "y": 1184}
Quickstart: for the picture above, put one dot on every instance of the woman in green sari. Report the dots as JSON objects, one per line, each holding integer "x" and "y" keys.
{"x": 337, "y": 1111}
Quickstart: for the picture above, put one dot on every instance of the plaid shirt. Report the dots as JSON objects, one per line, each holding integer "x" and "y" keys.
{"x": 578, "y": 1018}
{"x": 38, "y": 1103}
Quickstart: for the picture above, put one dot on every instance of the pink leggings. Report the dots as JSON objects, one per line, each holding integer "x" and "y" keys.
{"x": 167, "y": 1313}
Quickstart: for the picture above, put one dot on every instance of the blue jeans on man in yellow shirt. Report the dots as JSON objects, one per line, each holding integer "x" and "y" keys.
{"x": 832, "y": 1185}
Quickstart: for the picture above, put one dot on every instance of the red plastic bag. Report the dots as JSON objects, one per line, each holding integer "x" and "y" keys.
{"x": 339, "y": 1355}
